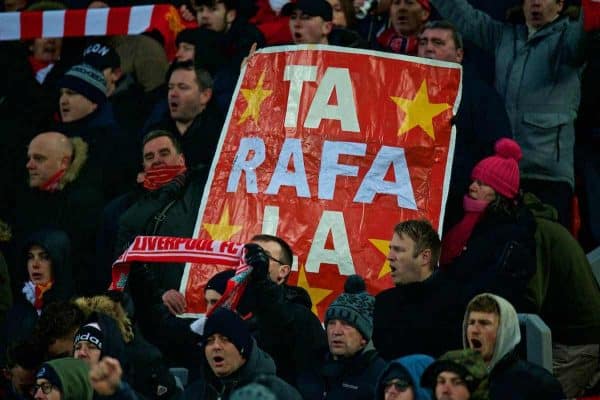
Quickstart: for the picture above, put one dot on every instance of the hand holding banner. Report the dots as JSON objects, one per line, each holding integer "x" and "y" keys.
{"x": 329, "y": 148}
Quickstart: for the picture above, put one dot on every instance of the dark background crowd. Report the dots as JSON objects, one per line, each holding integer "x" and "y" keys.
{"x": 106, "y": 138}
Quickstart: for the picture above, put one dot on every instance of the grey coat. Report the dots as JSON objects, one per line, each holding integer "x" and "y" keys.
{"x": 539, "y": 78}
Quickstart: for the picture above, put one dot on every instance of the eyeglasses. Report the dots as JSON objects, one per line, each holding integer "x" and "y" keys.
{"x": 399, "y": 384}
{"x": 46, "y": 388}
{"x": 274, "y": 259}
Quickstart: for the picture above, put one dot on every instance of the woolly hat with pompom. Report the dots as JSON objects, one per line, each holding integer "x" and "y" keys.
{"x": 501, "y": 171}
{"x": 354, "y": 306}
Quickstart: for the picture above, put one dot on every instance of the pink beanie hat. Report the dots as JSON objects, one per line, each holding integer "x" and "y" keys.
{"x": 501, "y": 171}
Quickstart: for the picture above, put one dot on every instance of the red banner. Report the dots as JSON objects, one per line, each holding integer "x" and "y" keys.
{"x": 329, "y": 148}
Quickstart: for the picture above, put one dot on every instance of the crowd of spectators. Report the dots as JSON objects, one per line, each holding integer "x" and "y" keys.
{"x": 104, "y": 139}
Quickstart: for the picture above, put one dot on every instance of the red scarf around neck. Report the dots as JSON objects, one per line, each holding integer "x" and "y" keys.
{"x": 51, "y": 185}
{"x": 456, "y": 239}
{"x": 40, "y": 289}
{"x": 399, "y": 44}
{"x": 156, "y": 178}
{"x": 37, "y": 65}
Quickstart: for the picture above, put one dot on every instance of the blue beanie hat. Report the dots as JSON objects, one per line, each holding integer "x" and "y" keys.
{"x": 354, "y": 306}
{"x": 85, "y": 80}
{"x": 227, "y": 323}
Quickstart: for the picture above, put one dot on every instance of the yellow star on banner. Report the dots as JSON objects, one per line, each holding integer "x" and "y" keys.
{"x": 316, "y": 294}
{"x": 254, "y": 98}
{"x": 383, "y": 246}
{"x": 222, "y": 230}
{"x": 419, "y": 111}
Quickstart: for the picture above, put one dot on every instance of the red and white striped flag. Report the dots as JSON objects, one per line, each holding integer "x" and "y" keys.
{"x": 95, "y": 22}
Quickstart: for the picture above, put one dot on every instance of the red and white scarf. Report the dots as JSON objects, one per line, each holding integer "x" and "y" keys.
{"x": 168, "y": 249}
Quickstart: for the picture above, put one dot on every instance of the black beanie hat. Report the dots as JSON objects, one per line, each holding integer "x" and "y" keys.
{"x": 227, "y": 323}
{"x": 48, "y": 373}
{"x": 89, "y": 333}
{"x": 218, "y": 282}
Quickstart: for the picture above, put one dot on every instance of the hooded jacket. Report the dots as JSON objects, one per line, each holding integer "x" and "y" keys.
{"x": 73, "y": 376}
{"x": 22, "y": 317}
{"x": 74, "y": 208}
{"x": 510, "y": 377}
{"x": 539, "y": 77}
{"x": 563, "y": 269}
{"x": 414, "y": 366}
{"x": 212, "y": 387}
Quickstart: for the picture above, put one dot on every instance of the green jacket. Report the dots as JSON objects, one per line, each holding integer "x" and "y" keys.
{"x": 563, "y": 288}
{"x": 73, "y": 376}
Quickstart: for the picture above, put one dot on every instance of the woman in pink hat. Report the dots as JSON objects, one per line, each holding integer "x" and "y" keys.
{"x": 493, "y": 247}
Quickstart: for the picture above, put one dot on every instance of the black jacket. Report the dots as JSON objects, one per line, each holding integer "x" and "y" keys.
{"x": 199, "y": 142}
{"x": 168, "y": 211}
{"x": 515, "y": 379}
{"x": 211, "y": 387}
{"x": 480, "y": 121}
{"x": 347, "y": 379}
{"x": 113, "y": 156}
{"x": 500, "y": 258}
{"x": 285, "y": 327}
{"x": 74, "y": 209}
{"x": 419, "y": 318}
{"x": 22, "y": 317}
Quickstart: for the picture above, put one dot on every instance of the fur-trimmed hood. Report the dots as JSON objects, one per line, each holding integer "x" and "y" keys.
{"x": 105, "y": 305}
{"x": 80, "y": 156}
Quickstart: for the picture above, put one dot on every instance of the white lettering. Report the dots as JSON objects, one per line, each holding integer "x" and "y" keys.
{"x": 331, "y": 221}
{"x": 297, "y": 75}
{"x": 374, "y": 181}
{"x": 337, "y": 79}
{"x": 330, "y": 168}
{"x": 291, "y": 151}
{"x": 241, "y": 163}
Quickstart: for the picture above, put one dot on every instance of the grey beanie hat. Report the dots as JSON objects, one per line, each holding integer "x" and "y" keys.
{"x": 354, "y": 306}
{"x": 85, "y": 80}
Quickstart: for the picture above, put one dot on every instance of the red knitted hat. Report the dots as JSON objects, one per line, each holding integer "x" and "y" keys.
{"x": 501, "y": 171}
{"x": 425, "y": 4}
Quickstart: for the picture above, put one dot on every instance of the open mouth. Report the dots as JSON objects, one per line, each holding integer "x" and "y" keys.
{"x": 476, "y": 344}
{"x": 218, "y": 361}
{"x": 36, "y": 276}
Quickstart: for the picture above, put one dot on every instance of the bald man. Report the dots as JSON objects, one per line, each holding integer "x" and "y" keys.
{"x": 61, "y": 192}
{"x": 49, "y": 155}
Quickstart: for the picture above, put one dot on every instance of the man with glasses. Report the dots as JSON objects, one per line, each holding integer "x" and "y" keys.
{"x": 61, "y": 379}
{"x": 401, "y": 380}
{"x": 285, "y": 326}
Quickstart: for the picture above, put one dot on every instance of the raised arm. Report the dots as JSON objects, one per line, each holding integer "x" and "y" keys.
{"x": 473, "y": 24}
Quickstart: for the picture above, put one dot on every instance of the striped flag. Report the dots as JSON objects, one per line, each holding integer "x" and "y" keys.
{"x": 95, "y": 22}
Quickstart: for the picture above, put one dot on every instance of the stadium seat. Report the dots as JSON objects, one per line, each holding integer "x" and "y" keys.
{"x": 536, "y": 341}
